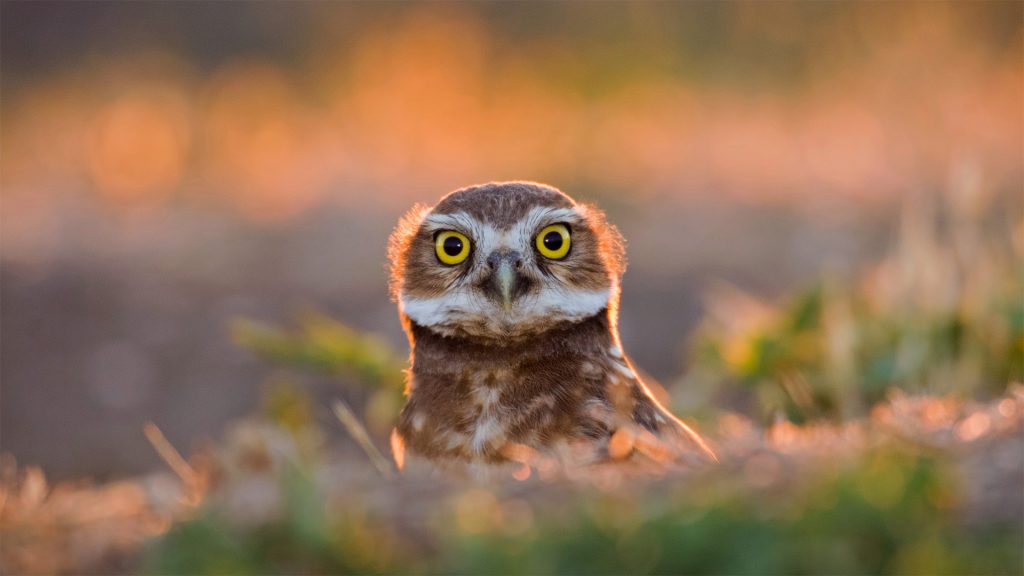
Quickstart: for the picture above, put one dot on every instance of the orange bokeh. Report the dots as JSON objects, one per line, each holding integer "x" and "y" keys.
{"x": 139, "y": 147}
{"x": 262, "y": 152}
{"x": 425, "y": 100}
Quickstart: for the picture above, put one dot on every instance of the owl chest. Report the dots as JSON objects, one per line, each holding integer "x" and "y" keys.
{"x": 486, "y": 421}
{"x": 476, "y": 415}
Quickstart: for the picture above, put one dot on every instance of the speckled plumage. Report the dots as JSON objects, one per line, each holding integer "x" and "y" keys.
{"x": 539, "y": 371}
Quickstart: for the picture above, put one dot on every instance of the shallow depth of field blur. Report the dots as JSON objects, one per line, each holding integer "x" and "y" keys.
{"x": 823, "y": 210}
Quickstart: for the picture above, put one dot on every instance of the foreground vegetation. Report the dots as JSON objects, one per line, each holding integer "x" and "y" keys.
{"x": 926, "y": 486}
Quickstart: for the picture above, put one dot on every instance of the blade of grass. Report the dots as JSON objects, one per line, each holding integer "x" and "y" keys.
{"x": 169, "y": 454}
{"x": 356, "y": 429}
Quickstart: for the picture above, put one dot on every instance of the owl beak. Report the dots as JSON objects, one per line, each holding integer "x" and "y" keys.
{"x": 505, "y": 281}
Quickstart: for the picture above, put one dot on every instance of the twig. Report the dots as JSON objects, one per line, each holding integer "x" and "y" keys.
{"x": 356, "y": 429}
{"x": 169, "y": 454}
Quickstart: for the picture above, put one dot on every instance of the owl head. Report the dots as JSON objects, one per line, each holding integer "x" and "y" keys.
{"x": 505, "y": 261}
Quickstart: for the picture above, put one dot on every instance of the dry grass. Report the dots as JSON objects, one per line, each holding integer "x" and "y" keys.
{"x": 77, "y": 527}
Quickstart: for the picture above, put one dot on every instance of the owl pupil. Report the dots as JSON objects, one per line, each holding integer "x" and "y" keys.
{"x": 452, "y": 246}
{"x": 552, "y": 241}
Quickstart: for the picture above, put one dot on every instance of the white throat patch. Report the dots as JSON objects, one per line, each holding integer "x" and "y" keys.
{"x": 463, "y": 311}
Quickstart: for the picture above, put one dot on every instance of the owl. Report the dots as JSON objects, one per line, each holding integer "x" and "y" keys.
{"x": 509, "y": 293}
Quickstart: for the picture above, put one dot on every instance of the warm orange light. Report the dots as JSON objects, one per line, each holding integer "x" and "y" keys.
{"x": 434, "y": 99}
{"x": 973, "y": 427}
{"x": 138, "y": 149}
{"x": 264, "y": 153}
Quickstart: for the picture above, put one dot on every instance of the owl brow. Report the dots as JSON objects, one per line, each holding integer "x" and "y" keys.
{"x": 460, "y": 222}
{"x": 540, "y": 217}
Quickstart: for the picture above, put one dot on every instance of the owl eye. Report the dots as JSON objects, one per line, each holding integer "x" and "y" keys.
{"x": 553, "y": 241}
{"x": 452, "y": 248}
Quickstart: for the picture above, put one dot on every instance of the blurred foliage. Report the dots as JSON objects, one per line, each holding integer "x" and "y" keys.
{"x": 325, "y": 345}
{"x": 892, "y": 510}
{"x": 942, "y": 314}
{"x": 303, "y": 541}
{"x": 886, "y": 514}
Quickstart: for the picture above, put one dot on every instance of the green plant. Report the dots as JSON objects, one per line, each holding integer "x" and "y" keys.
{"x": 942, "y": 314}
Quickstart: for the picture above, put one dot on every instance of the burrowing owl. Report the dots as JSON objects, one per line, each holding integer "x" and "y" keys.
{"x": 509, "y": 294}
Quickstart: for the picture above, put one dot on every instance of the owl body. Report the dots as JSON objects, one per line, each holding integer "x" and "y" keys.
{"x": 509, "y": 296}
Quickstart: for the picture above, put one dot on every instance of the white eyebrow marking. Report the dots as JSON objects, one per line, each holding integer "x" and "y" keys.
{"x": 459, "y": 221}
{"x": 539, "y": 217}
{"x": 558, "y": 214}
{"x": 533, "y": 220}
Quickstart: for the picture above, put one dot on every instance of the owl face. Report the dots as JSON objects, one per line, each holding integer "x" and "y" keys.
{"x": 504, "y": 262}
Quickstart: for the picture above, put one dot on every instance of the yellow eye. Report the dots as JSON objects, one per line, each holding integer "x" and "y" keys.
{"x": 553, "y": 241}
{"x": 452, "y": 248}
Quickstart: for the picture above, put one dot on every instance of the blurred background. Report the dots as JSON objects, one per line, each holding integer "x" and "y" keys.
{"x": 824, "y": 209}
{"x": 167, "y": 168}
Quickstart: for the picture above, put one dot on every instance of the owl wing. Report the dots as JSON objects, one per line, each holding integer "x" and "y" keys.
{"x": 643, "y": 427}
